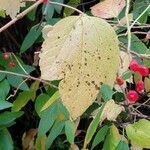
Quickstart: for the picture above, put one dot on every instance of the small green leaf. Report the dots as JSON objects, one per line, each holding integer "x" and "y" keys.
{"x": 21, "y": 100}
{"x": 69, "y": 130}
{"x": 48, "y": 117}
{"x": 2, "y": 76}
{"x": 41, "y": 142}
{"x": 52, "y": 99}
{"x": 8, "y": 117}
{"x": 93, "y": 126}
{"x": 54, "y": 132}
{"x": 139, "y": 133}
{"x": 4, "y": 89}
{"x": 58, "y": 8}
{"x": 136, "y": 44}
{"x": 5, "y": 104}
{"x": 106, "y": 92}
{"x": 100, "y": 136}
{"x": 40, "y": 101}
{"x": 126, "y": 75}
{"x": 6, "y": 142}
{"x": 16, "y": 82}
{"x": 122, "y": 146}
{"x": 31, "y": 37}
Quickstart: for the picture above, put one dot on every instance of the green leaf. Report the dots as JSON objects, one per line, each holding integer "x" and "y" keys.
{"x": 6, "y": 142}
{"x": 138, "y": 7}
{"x": 126, "y": 75}
{"x": 100, "y": 136}
{"x": 122, "y": 146}
{"x": 73, "y": 3}
{"x": 106, "y": 92}
{"x": 4, "y": 89}
{"x": 139, "y": 133}
{"x": 40, "y": 101}
{"x": 41, "y": 142}
{"x": 58, "y": 8}
{"x": 2, "y": 13}
{"x": 8, "y": 117}
{"x": 93, "y": 126}
{"x": 136, "y": 44}
{"x": 31, "y": 14}
{"x": 112, "y": 139}
{"x": 69, "y": 131}
{"x": 17, "y": 81}
{"x": 21, "y": 100}
{"x": 49, "y": 12}
{"x": 5, "y": 104}
{"x": 54, "y": 132}
{"x": 52, "y": 99}
{"x": 48, "y": 117}
{"x": 31, "y": 37}
{"x": 2, "y": 76}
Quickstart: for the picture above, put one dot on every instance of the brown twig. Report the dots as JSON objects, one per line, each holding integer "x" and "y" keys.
{"x": 28, "y": 77}
{"x": 21, "y": 15}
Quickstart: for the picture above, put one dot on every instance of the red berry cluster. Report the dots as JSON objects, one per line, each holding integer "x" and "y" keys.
{"x": 135, "y": 67}
{"x": 132, "y": 95}
{"x": 6, "y": 56}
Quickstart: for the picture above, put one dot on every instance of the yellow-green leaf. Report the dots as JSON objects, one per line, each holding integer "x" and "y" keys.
{"x": 12, "y": 7}
{"x": 83, "y": 53}
{"x": 111, "y": 111}
{"x": 139, "y": 133}
{"x": 112, "y": 140}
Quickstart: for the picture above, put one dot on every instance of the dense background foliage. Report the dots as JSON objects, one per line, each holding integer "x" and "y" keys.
{"x": 31, "y": 113}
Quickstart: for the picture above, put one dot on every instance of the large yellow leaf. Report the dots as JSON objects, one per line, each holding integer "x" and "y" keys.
{"x": 83, "y": 53}
{"x": 12, "y": 7}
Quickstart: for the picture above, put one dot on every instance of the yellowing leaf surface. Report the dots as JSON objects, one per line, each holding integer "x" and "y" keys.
{"x": 83, "y": 53}
{"x": 108, "y": 8}
{"x": 12, "y": 7}
{"x": 111, "y": 110}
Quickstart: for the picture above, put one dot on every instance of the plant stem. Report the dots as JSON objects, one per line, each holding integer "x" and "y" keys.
{"x": 64, "y": 5}
{"x": 21, "y": 15}
{"x": 128, "y": 25}
{"x": 28, "y": 77}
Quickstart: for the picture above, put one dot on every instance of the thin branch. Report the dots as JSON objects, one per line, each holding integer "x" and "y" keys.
{"x": 28, "y": 77}
{"x": 64, "y": 5}
{"x": 21, "y": 15}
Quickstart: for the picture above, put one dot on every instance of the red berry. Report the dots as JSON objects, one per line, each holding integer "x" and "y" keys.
{"x": 134, "y": 66}
{"x": 132, "y": 96}
{"x": 44, "y": 1}
{"x": 119, "y": 81}
{"x": 140, "y": 86}
{"x": 12, "y": 64}
{"x": 144, "y": 71}
{"x": 6, "y": 55}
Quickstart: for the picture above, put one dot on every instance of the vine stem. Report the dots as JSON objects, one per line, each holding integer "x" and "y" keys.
{"x": 64, "y": 5}
{"x": 128, "y": 25}
{"x": 21, "y": 15}
{"x": 28, "y": 77}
